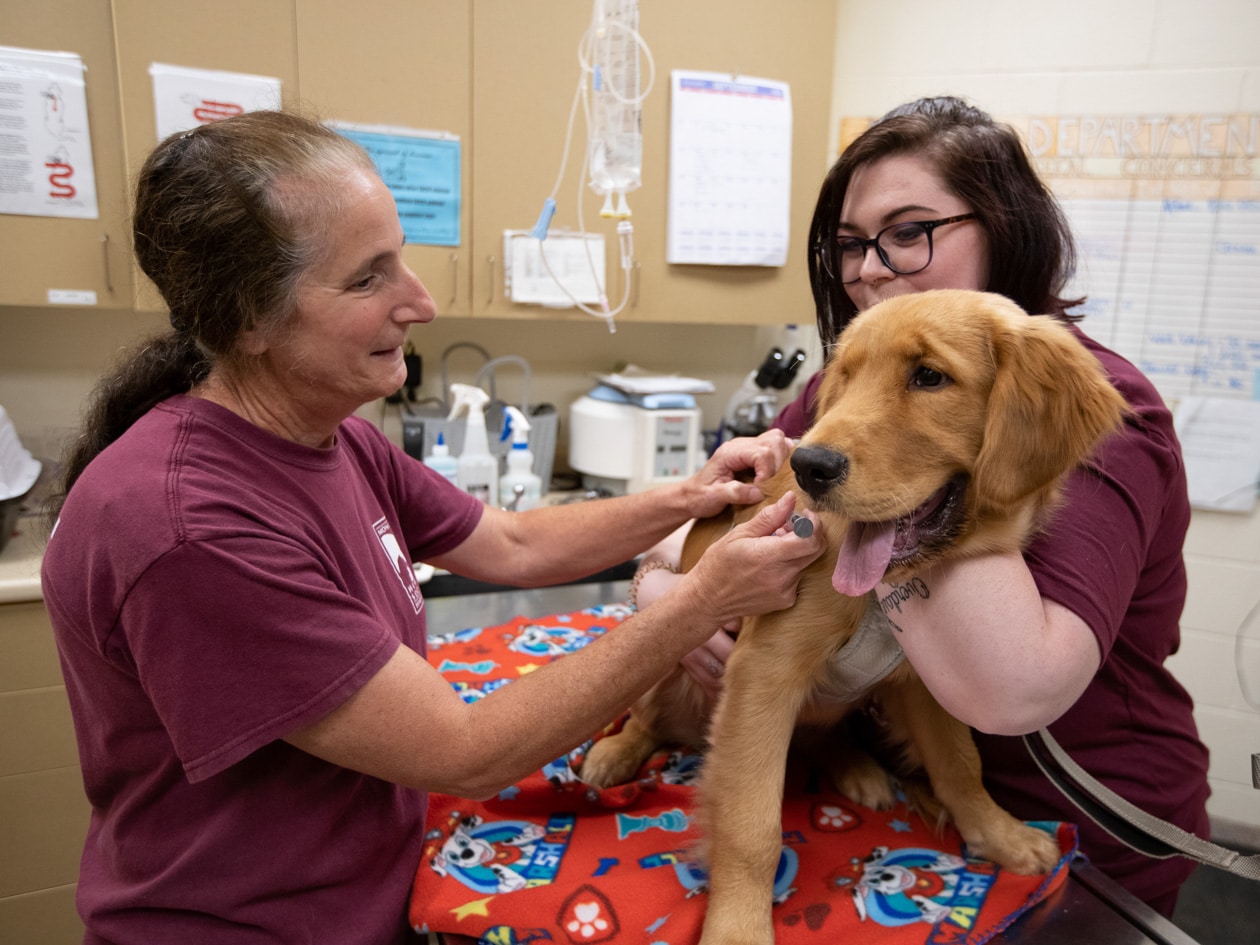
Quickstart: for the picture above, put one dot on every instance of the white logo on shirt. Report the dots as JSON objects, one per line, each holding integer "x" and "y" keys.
{"x": 400, "y": 562}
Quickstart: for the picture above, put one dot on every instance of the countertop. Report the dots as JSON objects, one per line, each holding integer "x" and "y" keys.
{"x": 20, "y": 561}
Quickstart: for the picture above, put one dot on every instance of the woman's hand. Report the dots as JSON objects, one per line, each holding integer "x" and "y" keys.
{"x": 715, "y": 485}
{"x": 707, "y": 662}
{"x": 753, "y": 569}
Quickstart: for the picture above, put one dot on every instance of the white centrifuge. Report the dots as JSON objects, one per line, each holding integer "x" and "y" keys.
{"x": 626, "y": 443}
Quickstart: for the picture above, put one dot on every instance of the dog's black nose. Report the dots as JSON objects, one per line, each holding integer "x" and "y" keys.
{"x": 819, "y": 469}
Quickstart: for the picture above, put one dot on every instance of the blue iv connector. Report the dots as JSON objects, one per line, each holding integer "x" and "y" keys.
{"x": 544, "y": 219}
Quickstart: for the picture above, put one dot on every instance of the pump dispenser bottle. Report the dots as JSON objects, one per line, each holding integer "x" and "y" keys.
{"x": 520, "y": 466}
{"x": 477, "y": 471}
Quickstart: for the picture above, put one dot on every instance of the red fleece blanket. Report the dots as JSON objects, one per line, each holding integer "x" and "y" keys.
{"x": 553, "y": 860}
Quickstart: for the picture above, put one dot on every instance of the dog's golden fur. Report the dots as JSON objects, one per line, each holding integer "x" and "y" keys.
{"x": 955, "y": 415}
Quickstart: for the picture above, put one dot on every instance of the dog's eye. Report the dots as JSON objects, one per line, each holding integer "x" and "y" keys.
{"x": 928, "y": 378}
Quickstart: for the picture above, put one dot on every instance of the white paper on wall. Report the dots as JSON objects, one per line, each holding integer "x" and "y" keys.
{"x": 45, "y": 146}
{"x": 1220, "y": 441}
{"x": 730, "y": 170}
{"x": 555, "y": 271}
{"x": 184, "y": 98}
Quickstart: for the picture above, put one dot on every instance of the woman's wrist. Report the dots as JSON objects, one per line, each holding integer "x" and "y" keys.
{"x": 645, "y": 569}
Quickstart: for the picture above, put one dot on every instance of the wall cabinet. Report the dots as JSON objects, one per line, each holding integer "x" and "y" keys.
{"x": 83, "y": 256}
{"x": 498, "y": 73}
{"x": 248, "y": 36}
{"x": 525, "y": 70}
{"x": 398, "y": 63}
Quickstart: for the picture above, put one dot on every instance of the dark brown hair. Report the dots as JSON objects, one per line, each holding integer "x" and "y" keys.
{"x": 228, "y": 220}
{"x": 983, "y": 162}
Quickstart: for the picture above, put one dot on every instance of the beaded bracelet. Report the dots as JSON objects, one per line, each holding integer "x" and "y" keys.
{"x": 643, "y": 571}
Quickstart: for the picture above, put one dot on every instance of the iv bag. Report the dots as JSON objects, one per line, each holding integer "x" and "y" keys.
{"x": 615, "y": 145}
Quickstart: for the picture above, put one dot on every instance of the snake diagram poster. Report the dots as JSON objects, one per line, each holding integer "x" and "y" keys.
{"x": 184, "y": 98}
{"x": 45, "y": 146}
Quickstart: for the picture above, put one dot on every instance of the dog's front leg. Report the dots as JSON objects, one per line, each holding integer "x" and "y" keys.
{"x": 741, "y": 787}
{"x": 946, "y": 750}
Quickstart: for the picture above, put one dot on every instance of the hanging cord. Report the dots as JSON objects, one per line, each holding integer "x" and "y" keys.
{"x": 446, "y": 387}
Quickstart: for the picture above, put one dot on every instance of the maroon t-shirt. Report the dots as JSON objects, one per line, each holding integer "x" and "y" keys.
{"x": 1113, "y": 556}
{"x": 212, "y": 588}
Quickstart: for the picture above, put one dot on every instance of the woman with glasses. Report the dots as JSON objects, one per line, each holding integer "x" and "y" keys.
{"x": 1073, "y": 634}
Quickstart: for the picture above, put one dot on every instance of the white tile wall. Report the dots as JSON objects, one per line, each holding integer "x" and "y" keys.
{"x": 1120, "y": 56}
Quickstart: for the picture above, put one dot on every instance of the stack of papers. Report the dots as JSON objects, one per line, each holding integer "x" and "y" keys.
{"x": 634, "y": 380}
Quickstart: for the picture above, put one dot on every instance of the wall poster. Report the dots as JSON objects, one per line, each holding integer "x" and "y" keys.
{"x": 45, "y": 146}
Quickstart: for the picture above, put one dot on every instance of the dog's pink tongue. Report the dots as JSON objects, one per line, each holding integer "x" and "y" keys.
{"x": 864, "y": 557}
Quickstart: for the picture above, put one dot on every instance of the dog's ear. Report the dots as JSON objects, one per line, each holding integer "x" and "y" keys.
{"x": 828, "y": 391}
{"x": 1050, "y": 407}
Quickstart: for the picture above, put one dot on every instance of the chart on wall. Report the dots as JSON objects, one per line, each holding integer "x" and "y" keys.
{"x": 1166, "y": 214}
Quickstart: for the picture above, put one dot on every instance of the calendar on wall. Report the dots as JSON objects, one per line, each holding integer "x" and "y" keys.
{"x": 1166, "y": 214}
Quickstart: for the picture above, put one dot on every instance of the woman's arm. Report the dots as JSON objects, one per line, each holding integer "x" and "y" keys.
{"x": 560, "y": 543}
{"x": 658, "y": 574}
{"x": 994, "y": 653}
{"x": 409, "y": 726}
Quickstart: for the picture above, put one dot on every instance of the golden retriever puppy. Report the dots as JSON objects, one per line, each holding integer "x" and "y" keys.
{"x": 944, "y": 426}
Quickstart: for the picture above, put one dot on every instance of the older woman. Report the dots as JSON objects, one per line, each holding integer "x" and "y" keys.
{"x": 229, "y": 575}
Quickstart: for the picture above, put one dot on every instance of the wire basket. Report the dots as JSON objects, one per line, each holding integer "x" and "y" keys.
{"x": 421, "y": 425}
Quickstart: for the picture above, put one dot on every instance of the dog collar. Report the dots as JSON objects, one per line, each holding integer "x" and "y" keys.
{"x": 870, "y": 654}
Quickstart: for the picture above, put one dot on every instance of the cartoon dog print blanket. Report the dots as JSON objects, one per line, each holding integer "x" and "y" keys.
{"x": 552, "y": 859}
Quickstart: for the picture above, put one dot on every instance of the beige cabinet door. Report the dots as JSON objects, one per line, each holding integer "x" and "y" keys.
{"x": 525, "y": 73}
{"x": 254, "y": 37}
{"x": 405, "y": 64}
{"x": 83, "y": 257}
{"x": 525, "y": 70}
{"x": 791, "y": 41}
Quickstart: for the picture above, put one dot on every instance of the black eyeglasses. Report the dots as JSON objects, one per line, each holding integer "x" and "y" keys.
{"x": 905, "y": 248}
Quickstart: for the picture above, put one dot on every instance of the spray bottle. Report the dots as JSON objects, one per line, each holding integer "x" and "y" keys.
{"x": 520, "y": 466}
{"x": 477, "y": 471}
{"x": 441, "y": 460}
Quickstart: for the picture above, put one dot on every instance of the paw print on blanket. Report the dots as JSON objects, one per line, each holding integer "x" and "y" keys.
{"x": 588, "y": 917}
{"x": 830, "y": 817}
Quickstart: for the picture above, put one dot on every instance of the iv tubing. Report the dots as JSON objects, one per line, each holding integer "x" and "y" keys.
{"x": 624, "y": 228}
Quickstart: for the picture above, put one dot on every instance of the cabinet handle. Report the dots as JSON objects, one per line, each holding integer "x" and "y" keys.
{"x": 109, "y": 281}
{"x": 634, "y": 285}
{"x": 454, "y": 279}
{"x": 490, "y": 262}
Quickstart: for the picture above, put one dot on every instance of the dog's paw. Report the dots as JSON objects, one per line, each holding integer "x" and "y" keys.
{"x": 609, "y": 762}
{"x": 862, "y": 779}
{"x": 1021, "y": 848}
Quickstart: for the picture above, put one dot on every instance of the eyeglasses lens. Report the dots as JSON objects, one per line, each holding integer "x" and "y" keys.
{"x": 905, "y": 248}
